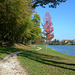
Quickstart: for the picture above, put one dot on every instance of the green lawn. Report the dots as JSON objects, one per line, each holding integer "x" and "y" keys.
{"x": 41, "y": 63}
{"x": 6, "y": 50}
{"x": 50, "y": 63}
{"x": 17, "y": 47}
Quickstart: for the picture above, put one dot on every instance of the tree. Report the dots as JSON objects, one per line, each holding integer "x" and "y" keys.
{"x": 52, "y": 3}
{"x": 16, "y": 23}
{"x": 48, "y": 29}
{"x": 36, "y": 27}
{"x": 33, "y": 30}
{"x": 13, "y": 17}
{"x": 36, "y": 20}
{"x": 38, "y": 41}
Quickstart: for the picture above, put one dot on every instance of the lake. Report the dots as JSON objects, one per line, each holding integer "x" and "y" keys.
{"x": 66, "y": 49}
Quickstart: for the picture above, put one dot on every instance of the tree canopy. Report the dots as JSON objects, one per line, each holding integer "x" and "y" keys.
{"x": 52, "y": 3}
{"x": 48, "y": 29}
{"x": 16, "y": 23}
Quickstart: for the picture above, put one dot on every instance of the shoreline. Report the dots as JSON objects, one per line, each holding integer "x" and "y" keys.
{"x": 62, "y": 49}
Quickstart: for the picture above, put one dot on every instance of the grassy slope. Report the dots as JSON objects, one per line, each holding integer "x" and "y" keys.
{"x": 50, "y": 63}
{"x": 41, "y": 63}
{"x": 6, "y": 50}
{"x": 18, "y": 47}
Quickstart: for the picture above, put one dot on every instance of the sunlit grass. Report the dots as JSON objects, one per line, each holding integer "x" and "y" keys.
{"x": 42, "y": 63}
{"x": 50, "y": 63}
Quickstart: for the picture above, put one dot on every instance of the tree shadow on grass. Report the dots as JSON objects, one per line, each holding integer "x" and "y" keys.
{"x": 8, "y": 50}
{"x": 47, "y": 59}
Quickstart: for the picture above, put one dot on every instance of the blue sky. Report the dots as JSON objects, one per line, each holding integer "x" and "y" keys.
{"x": 63, "y": 19}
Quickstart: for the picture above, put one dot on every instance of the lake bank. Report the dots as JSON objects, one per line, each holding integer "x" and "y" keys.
{"x": 50, "y": 63}
{"x": 66, "y": 49}
{"x": 42, "y": 63}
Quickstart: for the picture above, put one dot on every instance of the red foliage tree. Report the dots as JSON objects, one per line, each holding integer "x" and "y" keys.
{"x": 38, "y": 41}
{"x": 48, "y": 29}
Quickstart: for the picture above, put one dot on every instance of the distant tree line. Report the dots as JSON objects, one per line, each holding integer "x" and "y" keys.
{"x": 57, "y": 42}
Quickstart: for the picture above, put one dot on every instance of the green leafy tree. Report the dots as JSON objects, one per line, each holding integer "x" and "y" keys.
{"x": 13, "y": 14}
{"x": 36, "y": 20}
{"x": 51, "y": 3}
{"x": 36, "y": 27}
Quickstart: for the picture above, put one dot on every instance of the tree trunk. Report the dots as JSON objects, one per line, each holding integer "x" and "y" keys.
{"x": 46, "y": 46}
{"x": 1, "y": 43}
{"x": 22, "y": 40}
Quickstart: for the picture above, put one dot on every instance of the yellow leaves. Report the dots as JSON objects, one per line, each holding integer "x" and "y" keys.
{"x": 1, "y": 6}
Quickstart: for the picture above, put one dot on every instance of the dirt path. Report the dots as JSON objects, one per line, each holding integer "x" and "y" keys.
{"x": 10, "y": 65}
{"x": 38, "y": 48}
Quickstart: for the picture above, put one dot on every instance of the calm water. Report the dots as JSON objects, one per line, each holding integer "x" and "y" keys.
{"x": 66, "y": 49}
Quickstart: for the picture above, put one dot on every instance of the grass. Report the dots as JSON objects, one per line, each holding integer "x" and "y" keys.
{"x": 7, "y": 50}
{"x": 17, "y": 47}
{"x": 50, "y": 63}
{"x": 41, "y": 63}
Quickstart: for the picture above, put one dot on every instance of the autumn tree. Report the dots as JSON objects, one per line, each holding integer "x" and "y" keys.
{"x": 13, "y": 17}
{"x": 48, "y": 29}
{"x": 38, "y": 41}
